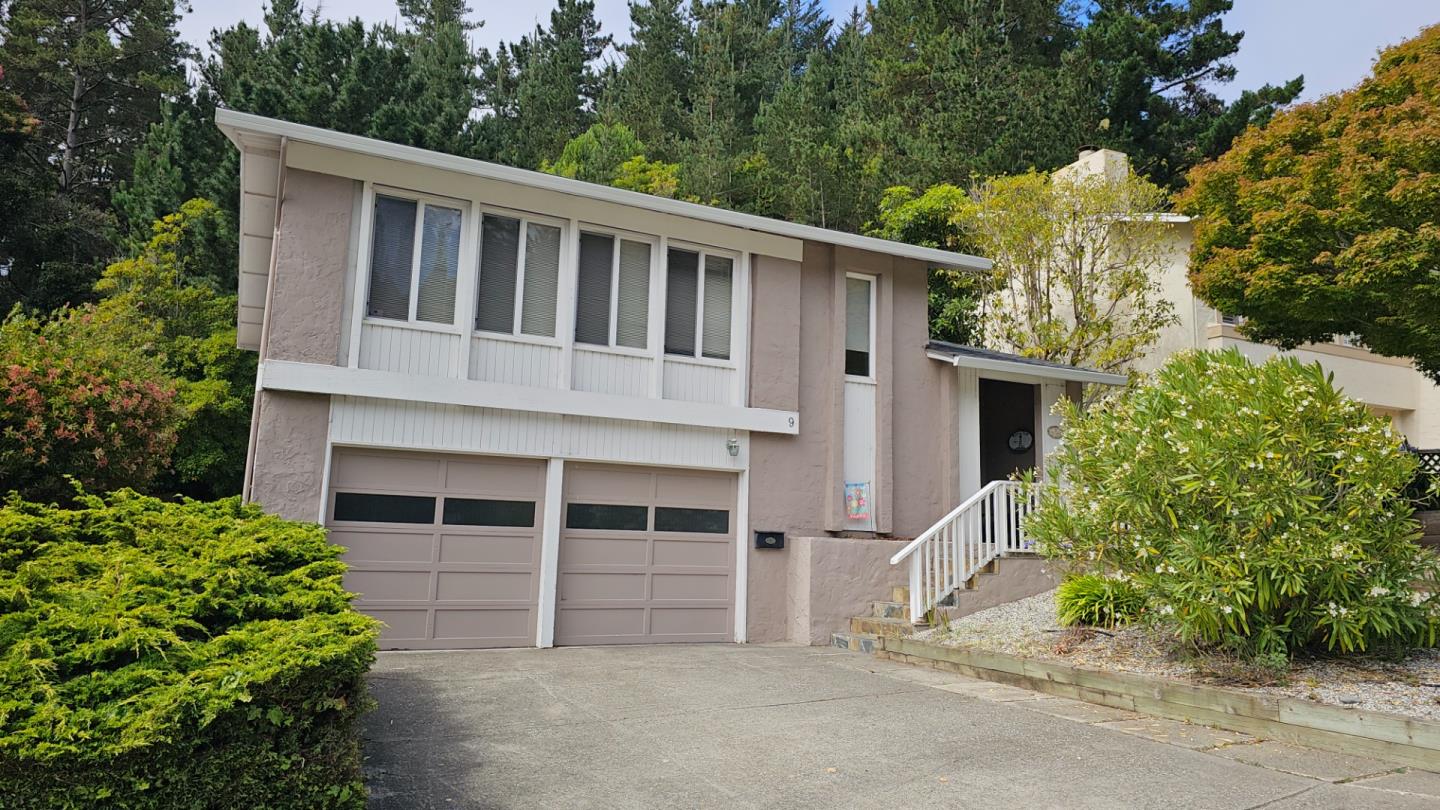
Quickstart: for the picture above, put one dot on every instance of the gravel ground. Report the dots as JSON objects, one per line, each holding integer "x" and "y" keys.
{"x": 1028, "y": 628}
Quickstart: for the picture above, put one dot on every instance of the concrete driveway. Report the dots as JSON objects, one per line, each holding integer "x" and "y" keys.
{"x": 730, "y": 726}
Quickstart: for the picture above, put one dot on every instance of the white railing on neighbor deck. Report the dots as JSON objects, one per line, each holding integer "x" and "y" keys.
{"x": 988, "y": 525}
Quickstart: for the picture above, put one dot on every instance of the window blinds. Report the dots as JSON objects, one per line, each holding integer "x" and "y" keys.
{"x": 680, "y": 301}
{"x": 439, "y": 262}
{"x": 715, "y": 331}
{"x": 391, "y": 252}
{"x": 542, "y": 277}
{"x": 632, "y": 309}
{"x": 499, "y": 253}
{"x": 592, "y": 289}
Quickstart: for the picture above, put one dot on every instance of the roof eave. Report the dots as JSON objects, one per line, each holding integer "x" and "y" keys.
{"x": 238, "y": 125}
{"x": 1068, "y": 373}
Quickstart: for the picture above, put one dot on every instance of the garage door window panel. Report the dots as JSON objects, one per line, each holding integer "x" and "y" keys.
{"x": 607, "y": 517}
{"x": 684, "y": 519}
{"x": 484, "y": 512}
{"x": 360, "y": 507}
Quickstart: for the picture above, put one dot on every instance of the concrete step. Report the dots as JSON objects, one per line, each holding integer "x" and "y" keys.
{"x": 857, "y": 642}
{"x": 882, "y": 627}
{"x": 890, "y": 610}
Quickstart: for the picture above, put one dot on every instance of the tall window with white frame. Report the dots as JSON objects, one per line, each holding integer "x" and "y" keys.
{"x": 698, "y": 289}
{"x": 612, "y": 295}
{"x": 861, "y": 401}
{"x": 519, "y": 276}
{"x": 414, "y": 259}
{"x": 859, "y": 329}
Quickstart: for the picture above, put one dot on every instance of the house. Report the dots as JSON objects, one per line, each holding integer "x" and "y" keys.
{"x": 539, "y": 411}
{"x": 1390, "y": 386}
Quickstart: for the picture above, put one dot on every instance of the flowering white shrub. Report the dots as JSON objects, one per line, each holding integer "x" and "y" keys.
{"x": 1254, "y": 506}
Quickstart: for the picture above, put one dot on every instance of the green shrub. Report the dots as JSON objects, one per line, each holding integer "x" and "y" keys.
{"x": 162, "y": 655}
{"x": 1254, "y": 506}
{"x": 1098, "y": 600}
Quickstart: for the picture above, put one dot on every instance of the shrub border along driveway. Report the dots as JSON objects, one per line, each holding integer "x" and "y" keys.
{"x": 1385, "y": 736}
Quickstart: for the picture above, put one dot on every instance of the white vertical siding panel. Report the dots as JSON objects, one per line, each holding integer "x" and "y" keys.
{"x": 408, "y": 351}
{"x": 513, "y": 362}
{"x": 392, "y": 423}
{"x": 611, "y": 373}
{"x": 699, "y": 382}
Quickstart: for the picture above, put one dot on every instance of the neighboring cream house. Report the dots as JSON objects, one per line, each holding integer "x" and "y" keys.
{"x": 538, "y": 411}
{"x": 1390, "y": 386}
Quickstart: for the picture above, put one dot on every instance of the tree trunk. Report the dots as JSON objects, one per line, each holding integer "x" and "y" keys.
{"x": 77, "y": 92}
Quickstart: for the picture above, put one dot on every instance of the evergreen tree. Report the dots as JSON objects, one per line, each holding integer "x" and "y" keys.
{"x": 652, "y": 89}
{"x": 92, "y": 74}
{"x": 1150, "y": 62}
{"x": 441, "y": 87}
{"x": 544, "y": 89}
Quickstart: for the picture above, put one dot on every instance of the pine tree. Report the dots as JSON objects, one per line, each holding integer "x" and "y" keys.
{"x": 652, "y": 90}
{"x": 544, "y": 89}
{"x": 92, "y": 74}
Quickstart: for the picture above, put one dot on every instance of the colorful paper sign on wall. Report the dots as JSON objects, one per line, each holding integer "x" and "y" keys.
{"x": 857, "y": 501}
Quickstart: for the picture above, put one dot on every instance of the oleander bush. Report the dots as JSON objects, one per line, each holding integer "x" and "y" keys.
{"x": 176, "y": 655}
{"x": 1255, "y": 507}
{"x": 1098, "y": 600}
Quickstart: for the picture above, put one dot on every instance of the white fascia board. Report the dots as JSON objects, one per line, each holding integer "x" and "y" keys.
{"x": 316, "y": 378}
{"x": 238, "y": 127}
{"x": 1030, "y": 369}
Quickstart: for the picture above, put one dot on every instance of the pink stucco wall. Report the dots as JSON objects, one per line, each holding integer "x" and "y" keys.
{"x": 797, "y": 335}
{"x": 290, "y": 453}
{"x": 834, "y": 578}
{"x": 313, "y": 254}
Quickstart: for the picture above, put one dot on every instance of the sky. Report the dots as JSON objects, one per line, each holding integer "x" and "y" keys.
{"x": 1331, "y": 42}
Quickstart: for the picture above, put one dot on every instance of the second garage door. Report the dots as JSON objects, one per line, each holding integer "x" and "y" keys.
{"x": 646, "y": 556}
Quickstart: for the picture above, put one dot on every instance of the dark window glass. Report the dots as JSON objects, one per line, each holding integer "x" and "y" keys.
{"x": 592, "y": 297}
{"x": 681, "y": 294}
{"x": 384, "y": 508}
{"x": 476, "y": 512}
{"x": 676, "y": 519}
{"x": 392, "y": 247}
{"x": 605, "y": 516}
{"x": 857, "y": 363}
{"x": 499, "y": 253}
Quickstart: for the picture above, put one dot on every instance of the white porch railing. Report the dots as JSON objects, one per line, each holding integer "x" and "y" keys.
{"x": 988, "y": 525}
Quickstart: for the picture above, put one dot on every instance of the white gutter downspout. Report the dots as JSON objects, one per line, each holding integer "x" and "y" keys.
{"x": 246, "y": 491}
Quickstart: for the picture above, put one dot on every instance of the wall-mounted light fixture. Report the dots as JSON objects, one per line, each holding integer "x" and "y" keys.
{"x": 732, "y": 446}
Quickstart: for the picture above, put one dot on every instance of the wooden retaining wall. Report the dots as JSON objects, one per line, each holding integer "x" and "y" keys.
{"x": 1354, "y": 731}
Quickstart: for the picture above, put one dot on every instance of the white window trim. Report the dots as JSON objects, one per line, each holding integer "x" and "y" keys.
{"x": 871, "y": 378}
{"x": 363, "y": 265}
{"x": 525, "y": 219}
{"x": 703, "y": 251}
{"x": 617, "y": 234}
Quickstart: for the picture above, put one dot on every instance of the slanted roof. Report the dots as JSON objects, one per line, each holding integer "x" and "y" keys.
{"x": 256, "y": 129}
{"x": 990, "y": 360}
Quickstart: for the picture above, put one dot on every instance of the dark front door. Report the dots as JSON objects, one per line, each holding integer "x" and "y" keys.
{"x": 1007, "y": 429}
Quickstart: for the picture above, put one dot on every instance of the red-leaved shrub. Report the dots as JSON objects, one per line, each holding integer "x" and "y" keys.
{"x": 76, "y": 402}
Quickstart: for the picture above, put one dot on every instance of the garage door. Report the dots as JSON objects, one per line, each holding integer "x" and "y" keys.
{"x": 646, "y": 556}
{"x": 444, "y": 549}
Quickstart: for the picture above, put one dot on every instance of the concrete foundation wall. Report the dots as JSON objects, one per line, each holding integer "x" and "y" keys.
{"x": 290, "y": 454}
{"x": 831, "y": 579}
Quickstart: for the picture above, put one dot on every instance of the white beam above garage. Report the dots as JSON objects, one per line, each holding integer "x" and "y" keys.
{"x": 316, "y": 378}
